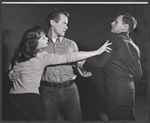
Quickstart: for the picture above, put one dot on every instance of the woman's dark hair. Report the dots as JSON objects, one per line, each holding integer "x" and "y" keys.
{"x": 28, "y": 45}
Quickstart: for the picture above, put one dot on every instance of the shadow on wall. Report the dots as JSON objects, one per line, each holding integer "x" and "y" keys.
{"x": 6, "y": 82}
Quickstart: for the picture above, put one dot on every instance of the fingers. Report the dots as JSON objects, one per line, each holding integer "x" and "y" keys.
{"x": 105, "y": 47}
{"x": 106, "y": 41}
{"x": 107, "y": 51}
{"x": 108, "y": 48}
{"x": 107, "y": 44}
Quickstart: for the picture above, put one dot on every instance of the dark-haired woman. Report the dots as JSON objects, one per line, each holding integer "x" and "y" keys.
{"x": 29, "y": 64}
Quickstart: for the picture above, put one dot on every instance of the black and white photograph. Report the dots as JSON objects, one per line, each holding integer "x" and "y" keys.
{"x": 75, "y": 61}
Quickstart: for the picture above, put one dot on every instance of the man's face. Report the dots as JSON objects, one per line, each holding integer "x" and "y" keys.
{"x": 117, "y": 25}
{"x": 61, "y": 27}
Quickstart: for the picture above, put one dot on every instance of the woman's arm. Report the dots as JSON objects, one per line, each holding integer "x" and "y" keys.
{"x": 53, "y": 59}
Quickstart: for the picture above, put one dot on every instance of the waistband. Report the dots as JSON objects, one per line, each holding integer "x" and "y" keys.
{"x": 58, "y": 85}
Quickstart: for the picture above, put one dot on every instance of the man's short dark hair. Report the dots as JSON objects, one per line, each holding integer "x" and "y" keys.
{"x": 128, "y": 19}
{"x": 54, "y": 14}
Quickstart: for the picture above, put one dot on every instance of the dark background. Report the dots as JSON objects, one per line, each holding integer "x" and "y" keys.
{"x": 88, "y": 26}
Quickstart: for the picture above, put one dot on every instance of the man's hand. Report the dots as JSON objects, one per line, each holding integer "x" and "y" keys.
{"x": 13, "y": 76}
{"x": 80, "y": 63}
{"x": 83, "y": 72}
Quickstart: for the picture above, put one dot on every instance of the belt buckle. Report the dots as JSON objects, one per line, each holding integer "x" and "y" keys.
{"x": 60, "y": 85}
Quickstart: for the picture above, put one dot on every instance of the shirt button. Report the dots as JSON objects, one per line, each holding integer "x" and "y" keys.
{"x": 57, "y": 71}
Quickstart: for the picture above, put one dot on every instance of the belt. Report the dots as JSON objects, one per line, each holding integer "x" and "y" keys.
{"x": 58, "y": 85}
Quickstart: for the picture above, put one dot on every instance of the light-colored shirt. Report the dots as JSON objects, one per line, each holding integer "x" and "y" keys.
{"x": 30, "y": 72}
{"x": 60, "y": 73}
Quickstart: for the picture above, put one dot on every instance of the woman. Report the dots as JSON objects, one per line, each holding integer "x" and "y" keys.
{"x": 29, "y": 64}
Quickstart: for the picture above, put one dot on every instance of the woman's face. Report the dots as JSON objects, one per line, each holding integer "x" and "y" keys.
{"x": 43, "y": 41}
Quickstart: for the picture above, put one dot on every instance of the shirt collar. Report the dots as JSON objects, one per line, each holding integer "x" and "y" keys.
{"x": 125, "y": 35}
{"x": 54, "y": 40}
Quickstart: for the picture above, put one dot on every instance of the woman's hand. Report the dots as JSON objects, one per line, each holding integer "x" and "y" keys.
{"x": 104, "y": 48}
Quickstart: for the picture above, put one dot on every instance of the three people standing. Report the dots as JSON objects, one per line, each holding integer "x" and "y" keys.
{"x": 58, "y": 89}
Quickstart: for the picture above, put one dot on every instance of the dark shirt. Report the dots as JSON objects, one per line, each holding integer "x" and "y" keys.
{"x": 122, "y": 66}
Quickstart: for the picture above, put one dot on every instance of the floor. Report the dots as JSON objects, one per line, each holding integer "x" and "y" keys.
{"x": 141, "y": 106}
{"x": 141, "y": 103}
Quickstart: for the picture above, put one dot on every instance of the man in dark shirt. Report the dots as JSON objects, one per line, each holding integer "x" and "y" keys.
{"x": 122, "y": 66}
